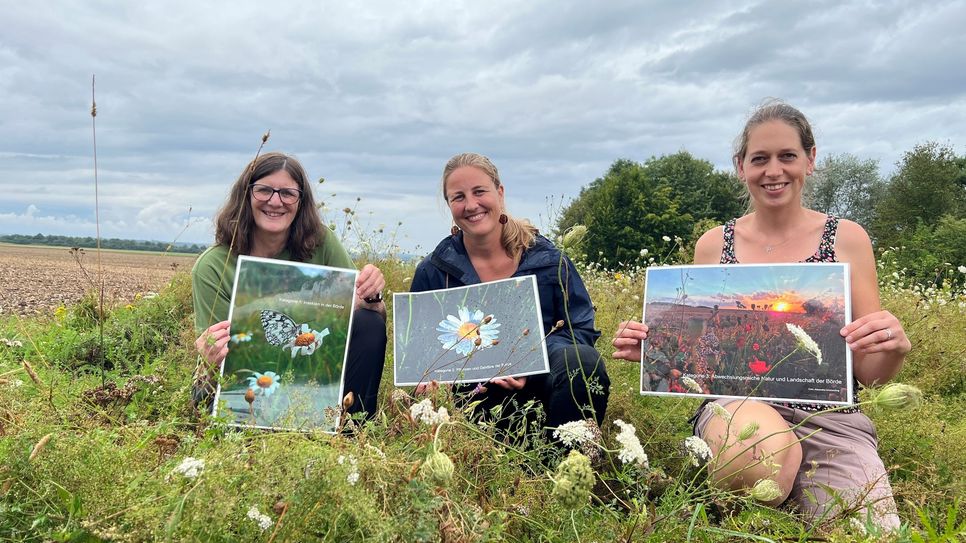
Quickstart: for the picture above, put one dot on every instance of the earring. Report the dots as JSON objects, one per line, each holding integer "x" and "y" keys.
{"x": 454, "y": 230}
{"x": 503, "y": 218}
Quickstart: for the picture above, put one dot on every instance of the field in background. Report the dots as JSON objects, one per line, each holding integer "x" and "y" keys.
{"x": 35, "y": 278}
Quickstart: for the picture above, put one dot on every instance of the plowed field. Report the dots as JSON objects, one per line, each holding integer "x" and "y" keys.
{"x": 37, "y": 279}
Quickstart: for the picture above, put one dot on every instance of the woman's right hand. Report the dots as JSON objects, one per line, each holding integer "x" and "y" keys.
{"x": 212, "y": 344}
{"x": 628, "y": 340}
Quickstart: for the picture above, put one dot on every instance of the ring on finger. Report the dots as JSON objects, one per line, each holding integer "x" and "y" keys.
{"x": 888, "y": 332}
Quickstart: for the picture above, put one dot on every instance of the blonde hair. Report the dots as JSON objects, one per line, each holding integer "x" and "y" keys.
{"x": 518, "y": 234}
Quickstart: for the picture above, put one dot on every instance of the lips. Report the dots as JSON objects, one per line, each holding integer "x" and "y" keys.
{"x": 476, "y": 217}
{"x": 775, "y": 186}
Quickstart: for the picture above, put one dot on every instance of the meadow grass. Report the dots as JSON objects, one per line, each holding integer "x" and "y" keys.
{"x": 82, "y": 461}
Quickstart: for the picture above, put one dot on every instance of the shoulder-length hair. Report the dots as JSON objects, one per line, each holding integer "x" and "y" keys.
{"x": 235, "y": 223}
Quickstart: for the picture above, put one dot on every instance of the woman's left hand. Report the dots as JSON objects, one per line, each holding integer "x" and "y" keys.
{"x": 510, "y": 383}
{"x": 369, "y": 283}
{"x": 876, "y": 332}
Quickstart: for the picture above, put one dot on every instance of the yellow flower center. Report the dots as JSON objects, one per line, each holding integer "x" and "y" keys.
{"x": 468, "y": 330}
{"x": 264, "y": 381}
{"x": 305, "y": 339}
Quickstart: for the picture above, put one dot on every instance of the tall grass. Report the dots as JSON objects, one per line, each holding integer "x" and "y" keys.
{"x": 82, "y": 460}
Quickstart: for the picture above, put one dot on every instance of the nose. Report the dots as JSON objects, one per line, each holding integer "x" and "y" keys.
{"x": 773, "y": 168}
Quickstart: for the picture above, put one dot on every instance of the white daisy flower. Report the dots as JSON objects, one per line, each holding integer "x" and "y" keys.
{"x": 240, "y": 337}
{"x": 264, "y": 383}
{"x": 306, "y": 341}
{"x": 467, "y": 331}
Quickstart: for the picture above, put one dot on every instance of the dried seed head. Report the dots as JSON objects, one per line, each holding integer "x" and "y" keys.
{"x": 559, "y": 325}
{"x": 93, "y": 109}
{"x": 250, "y": 395}
{"x": 266, "y": 135}
{"x": 495, "y": 342}
{"x": 478, "y": 341}
{"x": 32, "y": 373}
{"x": 487, "y": 319}
{"x": 279, "y": 507}
{"x": 39, "y": 447}
{"x": 526, "y": 331}
{"x": 348, "y": 400}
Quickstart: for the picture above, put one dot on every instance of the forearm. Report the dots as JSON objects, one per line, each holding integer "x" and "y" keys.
{"x": 876, "y": 369}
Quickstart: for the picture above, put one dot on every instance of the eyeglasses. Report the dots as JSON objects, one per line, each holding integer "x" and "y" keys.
{"x": 264, "y": 193}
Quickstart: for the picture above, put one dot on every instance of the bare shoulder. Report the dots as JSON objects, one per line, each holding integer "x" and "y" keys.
{"x": 708, "y": 248}
{"x": 851, "y": 239}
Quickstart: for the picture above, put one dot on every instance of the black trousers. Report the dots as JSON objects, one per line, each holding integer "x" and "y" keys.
{"x": 366, "y": 360}
{"x": 576, "y": 388}
{"x": 364, "y": 365}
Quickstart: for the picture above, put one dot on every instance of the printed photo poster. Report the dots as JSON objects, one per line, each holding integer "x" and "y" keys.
{"x": 768, "y": 331}
{"x": 469, "y": 334}
{"x": 290, "y": 324}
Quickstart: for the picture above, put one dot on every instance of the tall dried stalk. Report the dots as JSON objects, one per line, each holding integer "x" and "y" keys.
{"x": 97, "y": 226}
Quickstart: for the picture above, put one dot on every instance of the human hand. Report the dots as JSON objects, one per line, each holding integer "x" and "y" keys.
{"x": 212, "y": 344}
{"x": 426, "y": 388}
{"x": 369, "y": 283}
{"x": 876, "y": 332}
{"x": 628, "y": 340}
{"x": 509, "y": 383}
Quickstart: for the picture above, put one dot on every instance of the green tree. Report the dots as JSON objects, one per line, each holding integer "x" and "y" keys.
{"x": 636, "y": 206}
{"x": 847, "y": 187}
{"x": 930, "y": 183}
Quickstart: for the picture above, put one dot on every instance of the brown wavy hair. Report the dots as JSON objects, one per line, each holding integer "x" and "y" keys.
{"x": 518, "y": 234}
{"x": 774, "y": 109}
{"x": 235, "y": 223}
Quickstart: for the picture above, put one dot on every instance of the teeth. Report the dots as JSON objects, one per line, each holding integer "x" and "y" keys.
{"x": 774, "y": 186}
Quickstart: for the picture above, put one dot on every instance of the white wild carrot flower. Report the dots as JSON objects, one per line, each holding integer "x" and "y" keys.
{"x": 691, "y": 385}
{"x": 631, "y": 449}
{"x": 190, "y": 467}
{"x": 765, "y": 490}
{"x": 698, "y": 451}
{"x": 353, "y": 476}
{"x": 264, "y": 521}
{"x": 575, "y": 433}
{"x": 427, "y": 414}
{"x": 805, "y": 341}
{"x": 719, "y": 411}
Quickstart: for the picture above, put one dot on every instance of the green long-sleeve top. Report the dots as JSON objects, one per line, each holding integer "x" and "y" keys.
{"x": 213, "y": 275}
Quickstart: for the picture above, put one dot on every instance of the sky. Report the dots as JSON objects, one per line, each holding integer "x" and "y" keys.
{"x": 780, "y": 287}
{"x": 375, "y": 96}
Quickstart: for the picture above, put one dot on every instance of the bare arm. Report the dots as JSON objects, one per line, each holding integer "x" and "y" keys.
{"x": 876, "y": 337}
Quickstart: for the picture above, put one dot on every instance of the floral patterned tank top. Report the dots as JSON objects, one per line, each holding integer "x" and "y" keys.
{"x": 825, "y": 253}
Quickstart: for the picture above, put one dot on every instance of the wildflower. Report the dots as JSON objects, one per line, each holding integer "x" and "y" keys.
{"x": 263, "y": 520}
{"x": 263, "y": 383}
{"x": 666, "y": 238}
{"x": 748, "y": 431}
{"x": 437, "y": 468}
{"x": 190, "y": 467}
{"x": 631, "y": 449}
{"x": 11, "y": 342}
{"x": 424, "y": 412}
{"x": 719, "y": 411}
{"x": 698, "y": 451}
{"x": 897, "y": 396}
{"x": 574, "y": 433}
{"x": 643, "y": 252}
{"x": 805, "y": 341}
{"x": 571, "y": 240}
{"x": 691, "y": 385}
{"x": 353, "y": 476}
{"x": 962, "y": 269}
{"x": 240, "y": 337}
{"x": 573, "y": 480}
{"x": 755, "y": 346}
{"x": 766, "y": 490}
{"x": 759, "y": 367}
{"x": 307, "y": 341}
{"x": 460, "y": 333}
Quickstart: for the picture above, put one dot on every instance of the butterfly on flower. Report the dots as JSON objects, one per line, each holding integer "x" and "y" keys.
{"x": 281, "y": 330}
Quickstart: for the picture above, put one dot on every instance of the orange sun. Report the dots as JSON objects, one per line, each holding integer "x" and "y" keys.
{"x": 781, "y": 306}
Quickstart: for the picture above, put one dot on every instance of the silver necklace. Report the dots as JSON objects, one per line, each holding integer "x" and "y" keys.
{"x": 771, "y": 247}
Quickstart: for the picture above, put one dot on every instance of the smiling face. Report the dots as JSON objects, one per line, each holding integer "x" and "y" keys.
{"x": 274, "y": 216}
{"x": 475, "y": 201}
{"x": 775, "y": 164}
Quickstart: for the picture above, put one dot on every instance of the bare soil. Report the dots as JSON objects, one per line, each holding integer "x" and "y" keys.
{"x": 37, "y": 279}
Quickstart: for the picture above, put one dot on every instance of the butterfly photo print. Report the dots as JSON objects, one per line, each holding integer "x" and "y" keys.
{"x": 290, "y": 324}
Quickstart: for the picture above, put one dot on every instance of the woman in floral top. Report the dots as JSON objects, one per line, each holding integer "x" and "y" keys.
{"x": 830, "y": 461}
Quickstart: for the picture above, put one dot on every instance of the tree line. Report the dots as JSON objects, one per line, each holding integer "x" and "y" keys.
{"x": 665, "y": 203}
{"x": 110, "y": 243}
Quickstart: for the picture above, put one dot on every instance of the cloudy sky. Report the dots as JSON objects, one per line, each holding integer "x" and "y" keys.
{"x": 375, "y": 96}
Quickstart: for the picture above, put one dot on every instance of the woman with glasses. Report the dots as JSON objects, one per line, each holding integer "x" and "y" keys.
{"x": 271, "y": 213}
